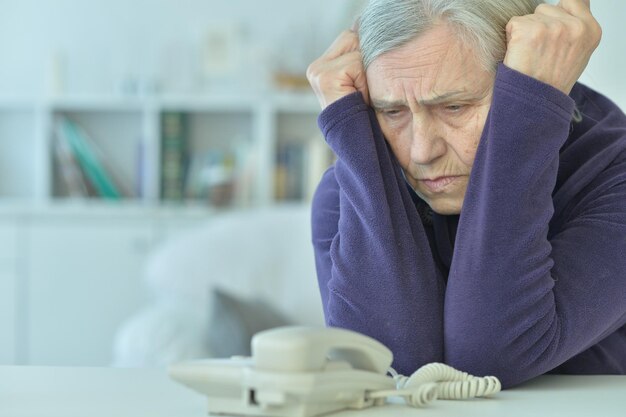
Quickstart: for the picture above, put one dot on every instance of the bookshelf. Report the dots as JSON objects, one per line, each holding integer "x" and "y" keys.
{"x": 228, "y": 153}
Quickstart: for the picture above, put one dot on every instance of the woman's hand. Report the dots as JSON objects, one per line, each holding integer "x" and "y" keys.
{"x": 339, "y": 71}
{"x": 554, "y": 44}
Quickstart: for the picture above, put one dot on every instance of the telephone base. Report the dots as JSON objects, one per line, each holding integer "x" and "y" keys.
{"x": 235, "y": 387}
{"x": 220, "y": 406}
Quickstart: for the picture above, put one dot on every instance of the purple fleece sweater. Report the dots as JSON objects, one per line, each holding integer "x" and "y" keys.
{"x": 531, "y": 278}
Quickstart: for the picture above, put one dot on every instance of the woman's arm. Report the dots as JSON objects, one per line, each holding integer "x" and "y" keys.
{"x": 375, "y": 268}
{"x": 518, "y": 304}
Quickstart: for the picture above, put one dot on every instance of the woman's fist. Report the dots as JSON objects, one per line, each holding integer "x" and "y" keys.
{"x": 339, "y": 71}
{"x": 554, "y": 44}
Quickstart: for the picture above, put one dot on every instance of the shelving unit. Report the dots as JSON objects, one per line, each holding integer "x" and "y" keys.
{"x": 128, "y": 133}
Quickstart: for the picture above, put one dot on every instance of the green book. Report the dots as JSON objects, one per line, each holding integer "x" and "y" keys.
{"x": 173, "y": 156}
{"x": 88, "y": 160}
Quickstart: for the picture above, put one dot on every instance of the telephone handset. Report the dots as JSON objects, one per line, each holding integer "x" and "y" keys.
{"x": 302, "y": 349}
{"x": 303, "y": 372}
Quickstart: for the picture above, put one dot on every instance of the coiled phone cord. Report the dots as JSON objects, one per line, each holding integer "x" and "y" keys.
{"x": 438, "y": 380}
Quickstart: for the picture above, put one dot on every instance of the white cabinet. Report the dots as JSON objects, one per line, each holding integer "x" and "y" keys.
{"x": 83, "y": 280}
{"x": 8, "y": 291}
{"x": 70, "y": 275}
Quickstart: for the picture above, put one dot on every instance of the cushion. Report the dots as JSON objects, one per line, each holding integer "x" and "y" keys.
{"x": 263, "y": 253}
{"x": 234, "y": 320}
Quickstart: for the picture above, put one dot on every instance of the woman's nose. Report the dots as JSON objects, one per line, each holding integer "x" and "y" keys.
{"x": 427, "y": 144}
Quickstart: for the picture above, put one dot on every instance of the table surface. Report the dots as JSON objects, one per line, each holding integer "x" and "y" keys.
{"x": 111, "y": 392}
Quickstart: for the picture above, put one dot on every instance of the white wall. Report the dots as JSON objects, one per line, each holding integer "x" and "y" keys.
{"x": 105, "y": 42}
{"x": 607, "y": 70}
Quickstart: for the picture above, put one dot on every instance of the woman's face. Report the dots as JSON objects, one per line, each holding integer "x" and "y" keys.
{"x": 432, "y": 98}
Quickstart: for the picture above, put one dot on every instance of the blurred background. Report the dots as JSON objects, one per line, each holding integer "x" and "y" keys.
{"x": 162, "y": 46}
{"x": 146, "y": 147}
{"x": 157, "y": 46}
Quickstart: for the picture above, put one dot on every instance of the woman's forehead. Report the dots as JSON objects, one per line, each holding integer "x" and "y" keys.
{"x": 434, "y": 66}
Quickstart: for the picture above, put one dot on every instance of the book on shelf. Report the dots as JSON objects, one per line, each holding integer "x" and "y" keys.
{"x": 173, "y": 155}
{"x": 78, "y": 152}
{"x": 299, "y": 167}
{"x": 70, "y": 177}
{"x": 289, "y": 171}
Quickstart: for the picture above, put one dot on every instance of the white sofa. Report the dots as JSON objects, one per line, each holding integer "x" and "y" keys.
{"x": 213, "y": 287}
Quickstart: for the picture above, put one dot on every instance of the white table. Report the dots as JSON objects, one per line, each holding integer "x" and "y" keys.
{"x": 108, "y": 392}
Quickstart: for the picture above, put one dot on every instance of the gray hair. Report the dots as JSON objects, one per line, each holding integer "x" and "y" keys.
{"x": 386, "y": 25}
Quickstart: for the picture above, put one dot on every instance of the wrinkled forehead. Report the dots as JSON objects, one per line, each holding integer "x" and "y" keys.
{"x": 431, "y": 65}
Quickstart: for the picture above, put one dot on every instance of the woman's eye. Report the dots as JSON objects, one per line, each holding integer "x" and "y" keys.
{"x": 454, "y": 108}
{"x": 392, "y": 113}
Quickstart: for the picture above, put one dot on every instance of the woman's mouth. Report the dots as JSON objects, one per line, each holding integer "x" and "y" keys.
{"x": 437, "y": 185}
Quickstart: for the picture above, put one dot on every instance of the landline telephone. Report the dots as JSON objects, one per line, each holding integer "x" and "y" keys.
{"x": 300, "y": 371}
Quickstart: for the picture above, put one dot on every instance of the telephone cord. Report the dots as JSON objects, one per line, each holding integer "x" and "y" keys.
{"x": 438, "y": 380}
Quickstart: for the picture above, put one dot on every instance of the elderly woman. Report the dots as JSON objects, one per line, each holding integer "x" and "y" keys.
{"x": 476, "y": 214}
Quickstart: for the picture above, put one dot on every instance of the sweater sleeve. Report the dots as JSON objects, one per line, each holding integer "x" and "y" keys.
{"x": 518, "y": 303}
{"x": 375, "y": 268}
